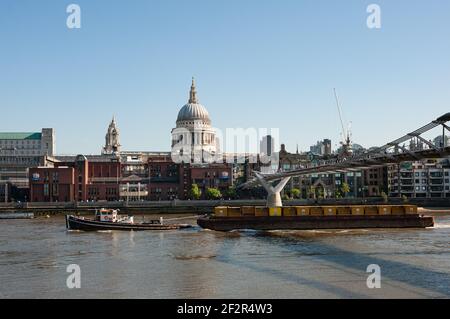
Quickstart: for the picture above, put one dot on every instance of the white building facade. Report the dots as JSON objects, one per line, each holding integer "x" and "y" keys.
{"x": 19, "y": 151}
{"x": 193, "y": 138}
{"x": 422, "y": 179}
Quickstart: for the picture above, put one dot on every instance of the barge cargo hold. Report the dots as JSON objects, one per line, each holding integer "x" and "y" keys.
{"x": 314, "y": 222}
{"x": 315, "y": 217}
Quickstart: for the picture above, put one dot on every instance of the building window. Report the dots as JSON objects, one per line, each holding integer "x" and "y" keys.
{"x": 111, "y": 191}
{"x": 55, "y": 189}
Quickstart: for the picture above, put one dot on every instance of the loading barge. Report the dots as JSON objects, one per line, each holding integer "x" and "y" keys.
{"x": 315, "y": 217}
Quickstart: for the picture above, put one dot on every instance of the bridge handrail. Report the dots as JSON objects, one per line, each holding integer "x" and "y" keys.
{"x": 379, "y": 155}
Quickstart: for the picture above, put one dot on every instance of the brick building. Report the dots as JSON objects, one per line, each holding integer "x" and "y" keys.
{"x": 166, "y": 178}
{"x": 79, "y": 179}
{"x": 375, "y": 181}
{"x": 212, "y": 176}
{"x": 128, "y": 177}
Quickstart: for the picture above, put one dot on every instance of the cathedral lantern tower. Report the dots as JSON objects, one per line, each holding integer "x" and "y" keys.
{"x": 112, "y": 139}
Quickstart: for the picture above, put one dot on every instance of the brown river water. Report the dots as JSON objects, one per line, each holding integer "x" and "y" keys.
{"x": 197, "y": 263}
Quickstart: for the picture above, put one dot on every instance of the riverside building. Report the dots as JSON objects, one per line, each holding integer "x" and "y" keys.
{"x": 134, "y": 175}
{"x": 18, "y": 152}
{"x": 428, "y": 178}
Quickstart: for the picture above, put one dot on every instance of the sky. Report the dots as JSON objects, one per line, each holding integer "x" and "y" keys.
{"x": 257, "y": 64}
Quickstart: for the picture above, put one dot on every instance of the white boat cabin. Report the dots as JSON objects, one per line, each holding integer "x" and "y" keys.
{"x": 112, "y": 216}
{"x": 106, "y": 215}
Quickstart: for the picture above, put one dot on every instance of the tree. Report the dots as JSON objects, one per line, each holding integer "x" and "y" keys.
{"x": 405, "y": 199}
{"x": 230, "y": 192}
{"x": 311, "y": 192}
{"x": 320, "y": 193}
{"x": 195, "y": 192}
{"x": 385, "y": 197}
{"x": 213, "y": 193}
{"x": 345, "y": 189}
{"x": 295, "y": 193}
{"x": 285, "y": 197}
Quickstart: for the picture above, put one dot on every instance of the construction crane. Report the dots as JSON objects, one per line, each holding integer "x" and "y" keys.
{"x": 346, "y": 133}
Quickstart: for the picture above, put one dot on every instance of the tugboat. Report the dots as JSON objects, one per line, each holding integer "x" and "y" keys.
{"x": 109, "y": 219}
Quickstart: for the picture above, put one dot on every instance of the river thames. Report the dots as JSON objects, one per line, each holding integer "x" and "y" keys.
{"x": 197, "y": 263}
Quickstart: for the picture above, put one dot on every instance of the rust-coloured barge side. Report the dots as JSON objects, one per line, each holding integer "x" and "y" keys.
{"x": 314, "y": 222}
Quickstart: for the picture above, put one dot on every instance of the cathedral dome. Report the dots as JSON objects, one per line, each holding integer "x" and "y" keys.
{"x": 193, "y": 110}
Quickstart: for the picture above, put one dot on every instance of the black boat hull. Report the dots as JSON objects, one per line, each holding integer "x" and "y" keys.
{"x": 314, "y": 222}
{"x": 76, "y": 223}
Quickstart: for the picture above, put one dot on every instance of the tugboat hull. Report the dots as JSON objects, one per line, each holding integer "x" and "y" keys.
{"x": 76, "y": 223}
{"x": 314, "y": 222}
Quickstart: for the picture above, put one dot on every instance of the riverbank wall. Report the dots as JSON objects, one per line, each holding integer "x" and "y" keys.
{"x": 198, "y": 207}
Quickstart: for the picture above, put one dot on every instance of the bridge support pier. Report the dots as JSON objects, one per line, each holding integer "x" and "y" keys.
{"x": 273, "y": 192}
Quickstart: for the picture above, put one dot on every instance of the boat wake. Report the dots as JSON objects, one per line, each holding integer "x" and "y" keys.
{"x": 441, "y": 225}
{"x": 195, "y": 257}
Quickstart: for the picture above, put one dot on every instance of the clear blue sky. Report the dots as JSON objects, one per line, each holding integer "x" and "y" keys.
{"x": 258, "y": 63}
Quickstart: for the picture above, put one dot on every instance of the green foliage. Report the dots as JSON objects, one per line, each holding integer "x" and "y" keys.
{"x": 345, "y": 188}
{"x": 295, "y": 193}
{"x": 320, "y": 193}
{"x": 405, "y": 199}
{"x": 285, "y": 197}
{"x": 230, "y": 192}
{"x": 195, "y": 192}
{"x": 385, "y": 197}
{"x": 213, "y": 193}
{"x": 310, "y": 192}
